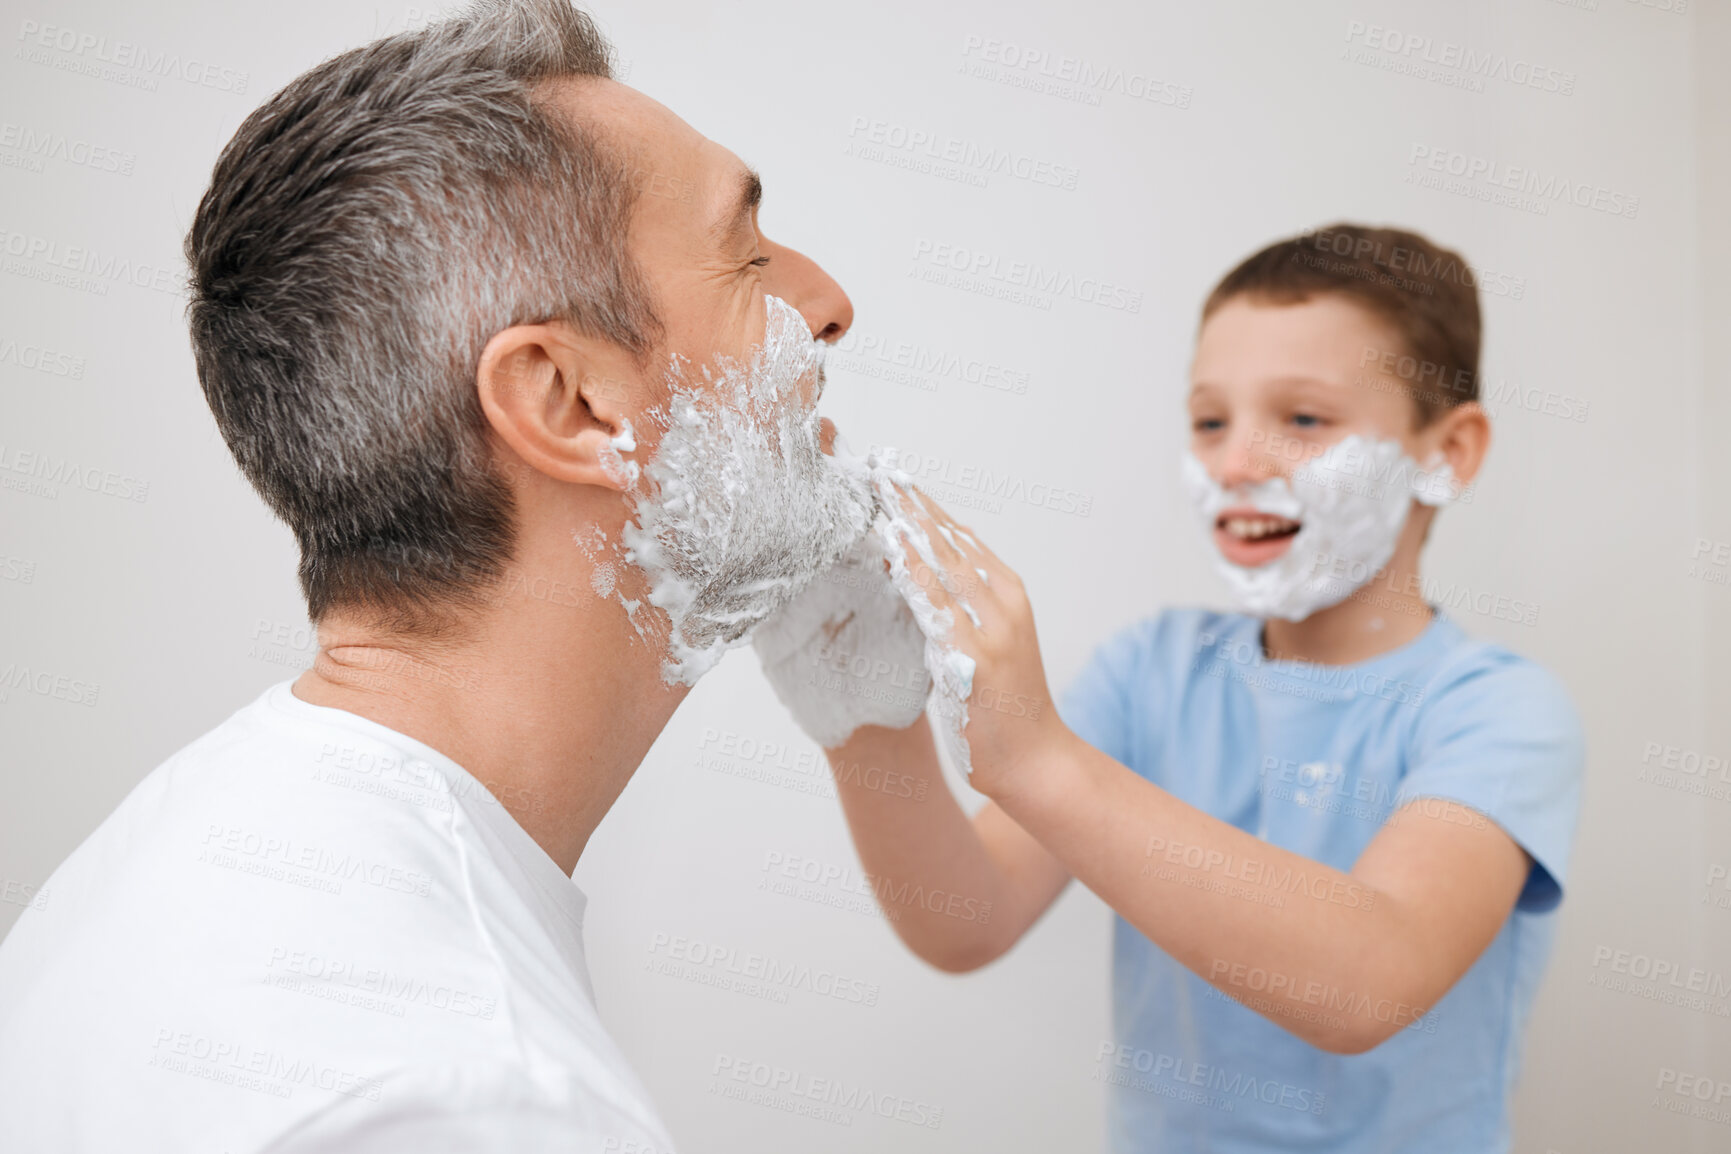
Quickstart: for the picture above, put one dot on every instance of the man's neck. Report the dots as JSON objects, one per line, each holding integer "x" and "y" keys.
{"x": 550, "y": 702}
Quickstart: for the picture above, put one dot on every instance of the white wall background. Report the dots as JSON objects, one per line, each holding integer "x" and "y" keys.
{"x": 172, "y": 593}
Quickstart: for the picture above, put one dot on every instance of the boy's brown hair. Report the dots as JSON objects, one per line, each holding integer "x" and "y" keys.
{"x": 1429, "y": 295}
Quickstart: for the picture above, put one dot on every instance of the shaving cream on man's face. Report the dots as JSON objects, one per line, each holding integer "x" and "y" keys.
{"x": 738, "y": 509}
{"x": 1314, "y": 540}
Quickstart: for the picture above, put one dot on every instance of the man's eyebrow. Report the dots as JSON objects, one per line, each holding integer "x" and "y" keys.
{"x": 749, "y": 196}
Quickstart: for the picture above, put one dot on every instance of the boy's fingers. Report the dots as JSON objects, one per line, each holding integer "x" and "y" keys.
{"x": 939, "y": 515}
{"x": 947, "y": 578}
{"x": 923, "y": 575}
{"x": 946, "y": 530}
{"x": 904, "y": 502}
{"x": 916, "y": 512}
{"x": 959, "y": 536}
{"x": 970, "y": 560}
{"x": 950, "y": 578}
{"x": 990, "y": 559}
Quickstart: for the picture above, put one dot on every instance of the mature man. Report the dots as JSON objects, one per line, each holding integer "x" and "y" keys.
{"x": 481, "y": 325}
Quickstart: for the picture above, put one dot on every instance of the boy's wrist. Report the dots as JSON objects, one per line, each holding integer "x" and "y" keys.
{"x": 1045, "y": 769}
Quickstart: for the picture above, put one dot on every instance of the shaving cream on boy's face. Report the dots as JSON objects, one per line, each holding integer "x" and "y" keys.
{"x": 738, "y": 509}
{"x": 1340, "y": 515}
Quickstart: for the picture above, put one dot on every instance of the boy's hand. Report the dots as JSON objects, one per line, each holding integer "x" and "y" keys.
{"x": 1012, "y": 725}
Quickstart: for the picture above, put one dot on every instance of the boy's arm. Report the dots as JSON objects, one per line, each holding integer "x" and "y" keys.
{"x": 1342, "y": 960}
{"x": 981, "y": 882}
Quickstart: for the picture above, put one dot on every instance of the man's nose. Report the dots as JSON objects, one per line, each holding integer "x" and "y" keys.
{"x": 797, "y": 279}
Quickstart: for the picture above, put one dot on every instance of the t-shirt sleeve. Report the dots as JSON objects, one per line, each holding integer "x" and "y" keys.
{"x": 1505, "y": 740}
{"x": 1097, "y": 703}
{"x": 472, "y": 1110}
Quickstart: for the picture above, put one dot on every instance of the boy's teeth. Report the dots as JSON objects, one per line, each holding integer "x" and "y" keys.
{"x": 1251, "y": 529}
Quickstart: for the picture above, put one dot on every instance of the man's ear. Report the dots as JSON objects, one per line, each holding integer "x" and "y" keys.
{"x": 562, "y": 401}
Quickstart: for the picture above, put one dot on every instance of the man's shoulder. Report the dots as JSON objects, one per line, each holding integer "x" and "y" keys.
{"x": 447, "y": 1107}
{"x": 252, "y": 911}
{"x": 230, "y": 848}
{"x": 265, "y": 787}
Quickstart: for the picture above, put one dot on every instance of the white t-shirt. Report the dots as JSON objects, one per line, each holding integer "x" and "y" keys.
{"x": 307, "y": 932}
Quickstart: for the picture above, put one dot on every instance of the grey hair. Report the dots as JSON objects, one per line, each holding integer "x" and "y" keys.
{"x": 365, "y": 233}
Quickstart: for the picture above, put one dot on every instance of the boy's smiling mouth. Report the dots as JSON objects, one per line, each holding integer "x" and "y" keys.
{"x": 1246, "y": 536}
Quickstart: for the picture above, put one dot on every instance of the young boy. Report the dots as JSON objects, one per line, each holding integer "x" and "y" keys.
{"x": 1332, "y": 826}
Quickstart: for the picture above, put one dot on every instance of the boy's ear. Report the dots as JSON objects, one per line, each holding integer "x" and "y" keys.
{"x": 562, "y": 402}
{"x": 1463, "y": 438}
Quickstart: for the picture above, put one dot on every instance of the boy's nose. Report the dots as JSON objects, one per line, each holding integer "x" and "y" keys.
{"x": 1244, "y": 460}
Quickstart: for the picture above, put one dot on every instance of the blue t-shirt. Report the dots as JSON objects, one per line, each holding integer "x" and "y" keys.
{"x": 1314, "y": 759}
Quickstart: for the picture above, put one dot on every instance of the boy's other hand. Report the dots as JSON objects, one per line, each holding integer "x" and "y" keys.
{"x": 1012, "y": 725}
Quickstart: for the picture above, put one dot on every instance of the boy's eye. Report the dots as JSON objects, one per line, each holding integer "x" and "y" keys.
{"x": 1307, "y": 420}
{"x": 1206, "y": 424}
{"x": 761, "y": 261}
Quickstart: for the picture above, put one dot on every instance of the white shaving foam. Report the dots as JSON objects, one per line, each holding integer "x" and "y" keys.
{"x": 951, "y": 671}
{"x": 878, "y": 621}
{"x": 738, "y": 511}
{"x": 1350, "y": 501}
{"x": 847, "y": 651}
{"x": 738, "y": 508}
